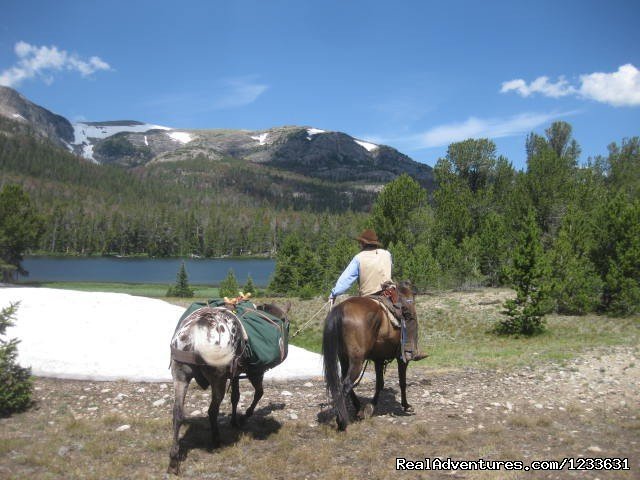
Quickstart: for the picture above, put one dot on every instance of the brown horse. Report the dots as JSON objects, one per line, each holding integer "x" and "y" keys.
{"x": 215, "y": 336}
{"x": 356, "y": 330}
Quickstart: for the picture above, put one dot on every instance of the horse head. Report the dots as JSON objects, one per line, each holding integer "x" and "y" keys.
{"x": 407, "y": 293}
{"x": 275, "y": 310}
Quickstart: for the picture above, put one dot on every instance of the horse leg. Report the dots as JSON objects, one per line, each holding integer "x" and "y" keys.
{"x": 379, "y": 381}
{"x": 180, "y": 384}
{"x": 218, "y": 386}
{"x": 235, "y": 398}
{"x": 348, "y": 381}
{"x": 256, "y": 381}
{"x": 402, "y": 375}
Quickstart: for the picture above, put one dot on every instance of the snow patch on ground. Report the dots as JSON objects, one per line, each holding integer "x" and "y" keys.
{"x": 17, "y": 115}
{"x": 109, "y": 336}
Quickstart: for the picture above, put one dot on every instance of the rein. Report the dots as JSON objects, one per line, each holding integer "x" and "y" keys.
{"x": 309, "y": 321}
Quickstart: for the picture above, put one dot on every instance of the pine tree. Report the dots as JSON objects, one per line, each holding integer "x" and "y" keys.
{"x": 15, "y": 381}
{"x": 229, "y": 286}
{"x": 181, "y": 288}
{"x": 249, "y": 287}
{"x": 576, "y": 287}
{"x": 529, "y": 275}
{"x": 20, "y": 229}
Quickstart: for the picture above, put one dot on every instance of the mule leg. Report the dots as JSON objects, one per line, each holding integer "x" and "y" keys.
{"x": 402, "y": 375}
{"x": 256, "y": 381}
{"x": 180, "y": 384}
{"x": 235, "y": 398}
{"x": 218, "y": 386}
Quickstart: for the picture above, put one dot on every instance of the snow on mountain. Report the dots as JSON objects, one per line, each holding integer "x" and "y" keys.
{"x": 182, "y": 137}
{"x": 262, "y": 138}
{"x": 369, "y": 146}
{"x": 84, "y": 131}
{"x": 313, "y": 131}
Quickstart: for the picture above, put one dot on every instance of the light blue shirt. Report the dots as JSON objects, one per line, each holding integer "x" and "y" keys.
{"x": 350, "y": 275}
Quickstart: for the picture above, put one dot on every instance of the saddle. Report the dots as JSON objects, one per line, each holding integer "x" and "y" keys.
{"x": 389, "y": 299}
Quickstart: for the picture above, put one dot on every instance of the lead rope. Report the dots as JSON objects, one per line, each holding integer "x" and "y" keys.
{"x": 309, "y": 321}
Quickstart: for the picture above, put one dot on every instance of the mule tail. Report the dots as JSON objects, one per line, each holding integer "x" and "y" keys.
{"x": 216, "y": 346}
{"x": 331, "y": 349}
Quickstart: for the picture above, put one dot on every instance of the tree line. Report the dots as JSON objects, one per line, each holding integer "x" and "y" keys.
{"x": 194, "y": 207}
{"x": 564, "y": 234}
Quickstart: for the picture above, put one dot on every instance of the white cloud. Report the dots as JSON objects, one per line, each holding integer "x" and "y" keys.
{"x": 238, "y": 92}
{"x": 34, "y": 61}
{"x": 483, "y": 127}
{"x": 620, "y": 88}
{"x": 540, "y": 85}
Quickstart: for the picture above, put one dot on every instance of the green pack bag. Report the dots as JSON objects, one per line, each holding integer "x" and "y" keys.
{"x": 268, "y": 343}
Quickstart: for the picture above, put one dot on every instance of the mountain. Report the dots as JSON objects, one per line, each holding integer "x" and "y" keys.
{"x": 34, "y": 118}
{"x": 305, "y": 151}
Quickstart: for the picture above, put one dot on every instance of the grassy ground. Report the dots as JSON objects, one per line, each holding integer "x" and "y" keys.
{"x": 152, "y": 290}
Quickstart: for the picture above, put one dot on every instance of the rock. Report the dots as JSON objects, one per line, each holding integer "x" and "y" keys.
{"x": 293, "y": 416}
{"x": 122, "y": 428}
{"x": 105, "y": 390}
{"x": 159, "y": 403}
{"x": 163, "y": 386}
{"x": 286, "y": 393}
{"x": 538, "y": 406}
{"x": 196, "y": 412}
{"x": 594, "y": 449}
{"x": 64, "y": 450}
{"x": 509, "y": 405}
{"x": 141, "y": 390}
{"x": 308, "y": 384}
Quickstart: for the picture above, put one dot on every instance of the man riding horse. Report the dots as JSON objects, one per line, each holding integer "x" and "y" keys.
{"x": 372, "y": 268}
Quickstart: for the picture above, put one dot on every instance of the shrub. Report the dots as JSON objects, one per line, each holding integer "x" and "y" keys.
{"x": 15, "y": 381}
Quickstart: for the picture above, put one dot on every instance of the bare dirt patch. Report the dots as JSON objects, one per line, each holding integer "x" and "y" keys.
{"x": 588, "y": 407}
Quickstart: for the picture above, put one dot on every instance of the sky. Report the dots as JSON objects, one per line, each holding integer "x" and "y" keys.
{"x": 415, "y": 75}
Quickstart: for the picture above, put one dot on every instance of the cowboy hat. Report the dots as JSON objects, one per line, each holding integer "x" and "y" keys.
{"x": 369, "y": 237}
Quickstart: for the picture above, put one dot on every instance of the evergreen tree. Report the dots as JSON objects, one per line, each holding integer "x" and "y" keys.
{"x": 20, "y": 230}
{"x": 529, "y": 275}
{"x": 576, "y": 287}
{"x": 15, "y": 381}
{"x": 617, "y": 254}
{"x": 391, "y": 214}
{"x": 229, "y": 286}
{"x": 181, "y": 288}
{"x": 249, "y": 287}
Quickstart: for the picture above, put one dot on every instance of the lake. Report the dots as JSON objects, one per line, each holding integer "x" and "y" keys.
{"x": 145, "y": 270}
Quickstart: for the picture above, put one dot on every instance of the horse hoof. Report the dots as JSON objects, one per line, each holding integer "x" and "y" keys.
{"x": 174, "y": 467}
{"x": 408, "y": 408}
{"x": 366, "y": 412}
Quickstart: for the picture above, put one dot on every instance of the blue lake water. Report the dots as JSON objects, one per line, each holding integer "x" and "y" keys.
{"x": 145, "y": 270}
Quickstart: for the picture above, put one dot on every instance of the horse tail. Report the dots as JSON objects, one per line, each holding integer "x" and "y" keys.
{"x": 331, "y": 349}
{"x": 217, "y": 351}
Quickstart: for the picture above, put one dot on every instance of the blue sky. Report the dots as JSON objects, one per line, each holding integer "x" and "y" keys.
{"x": 415, "y": 75}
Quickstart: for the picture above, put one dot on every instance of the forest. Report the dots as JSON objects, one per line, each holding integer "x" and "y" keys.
{"x": 565, "y": 235}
